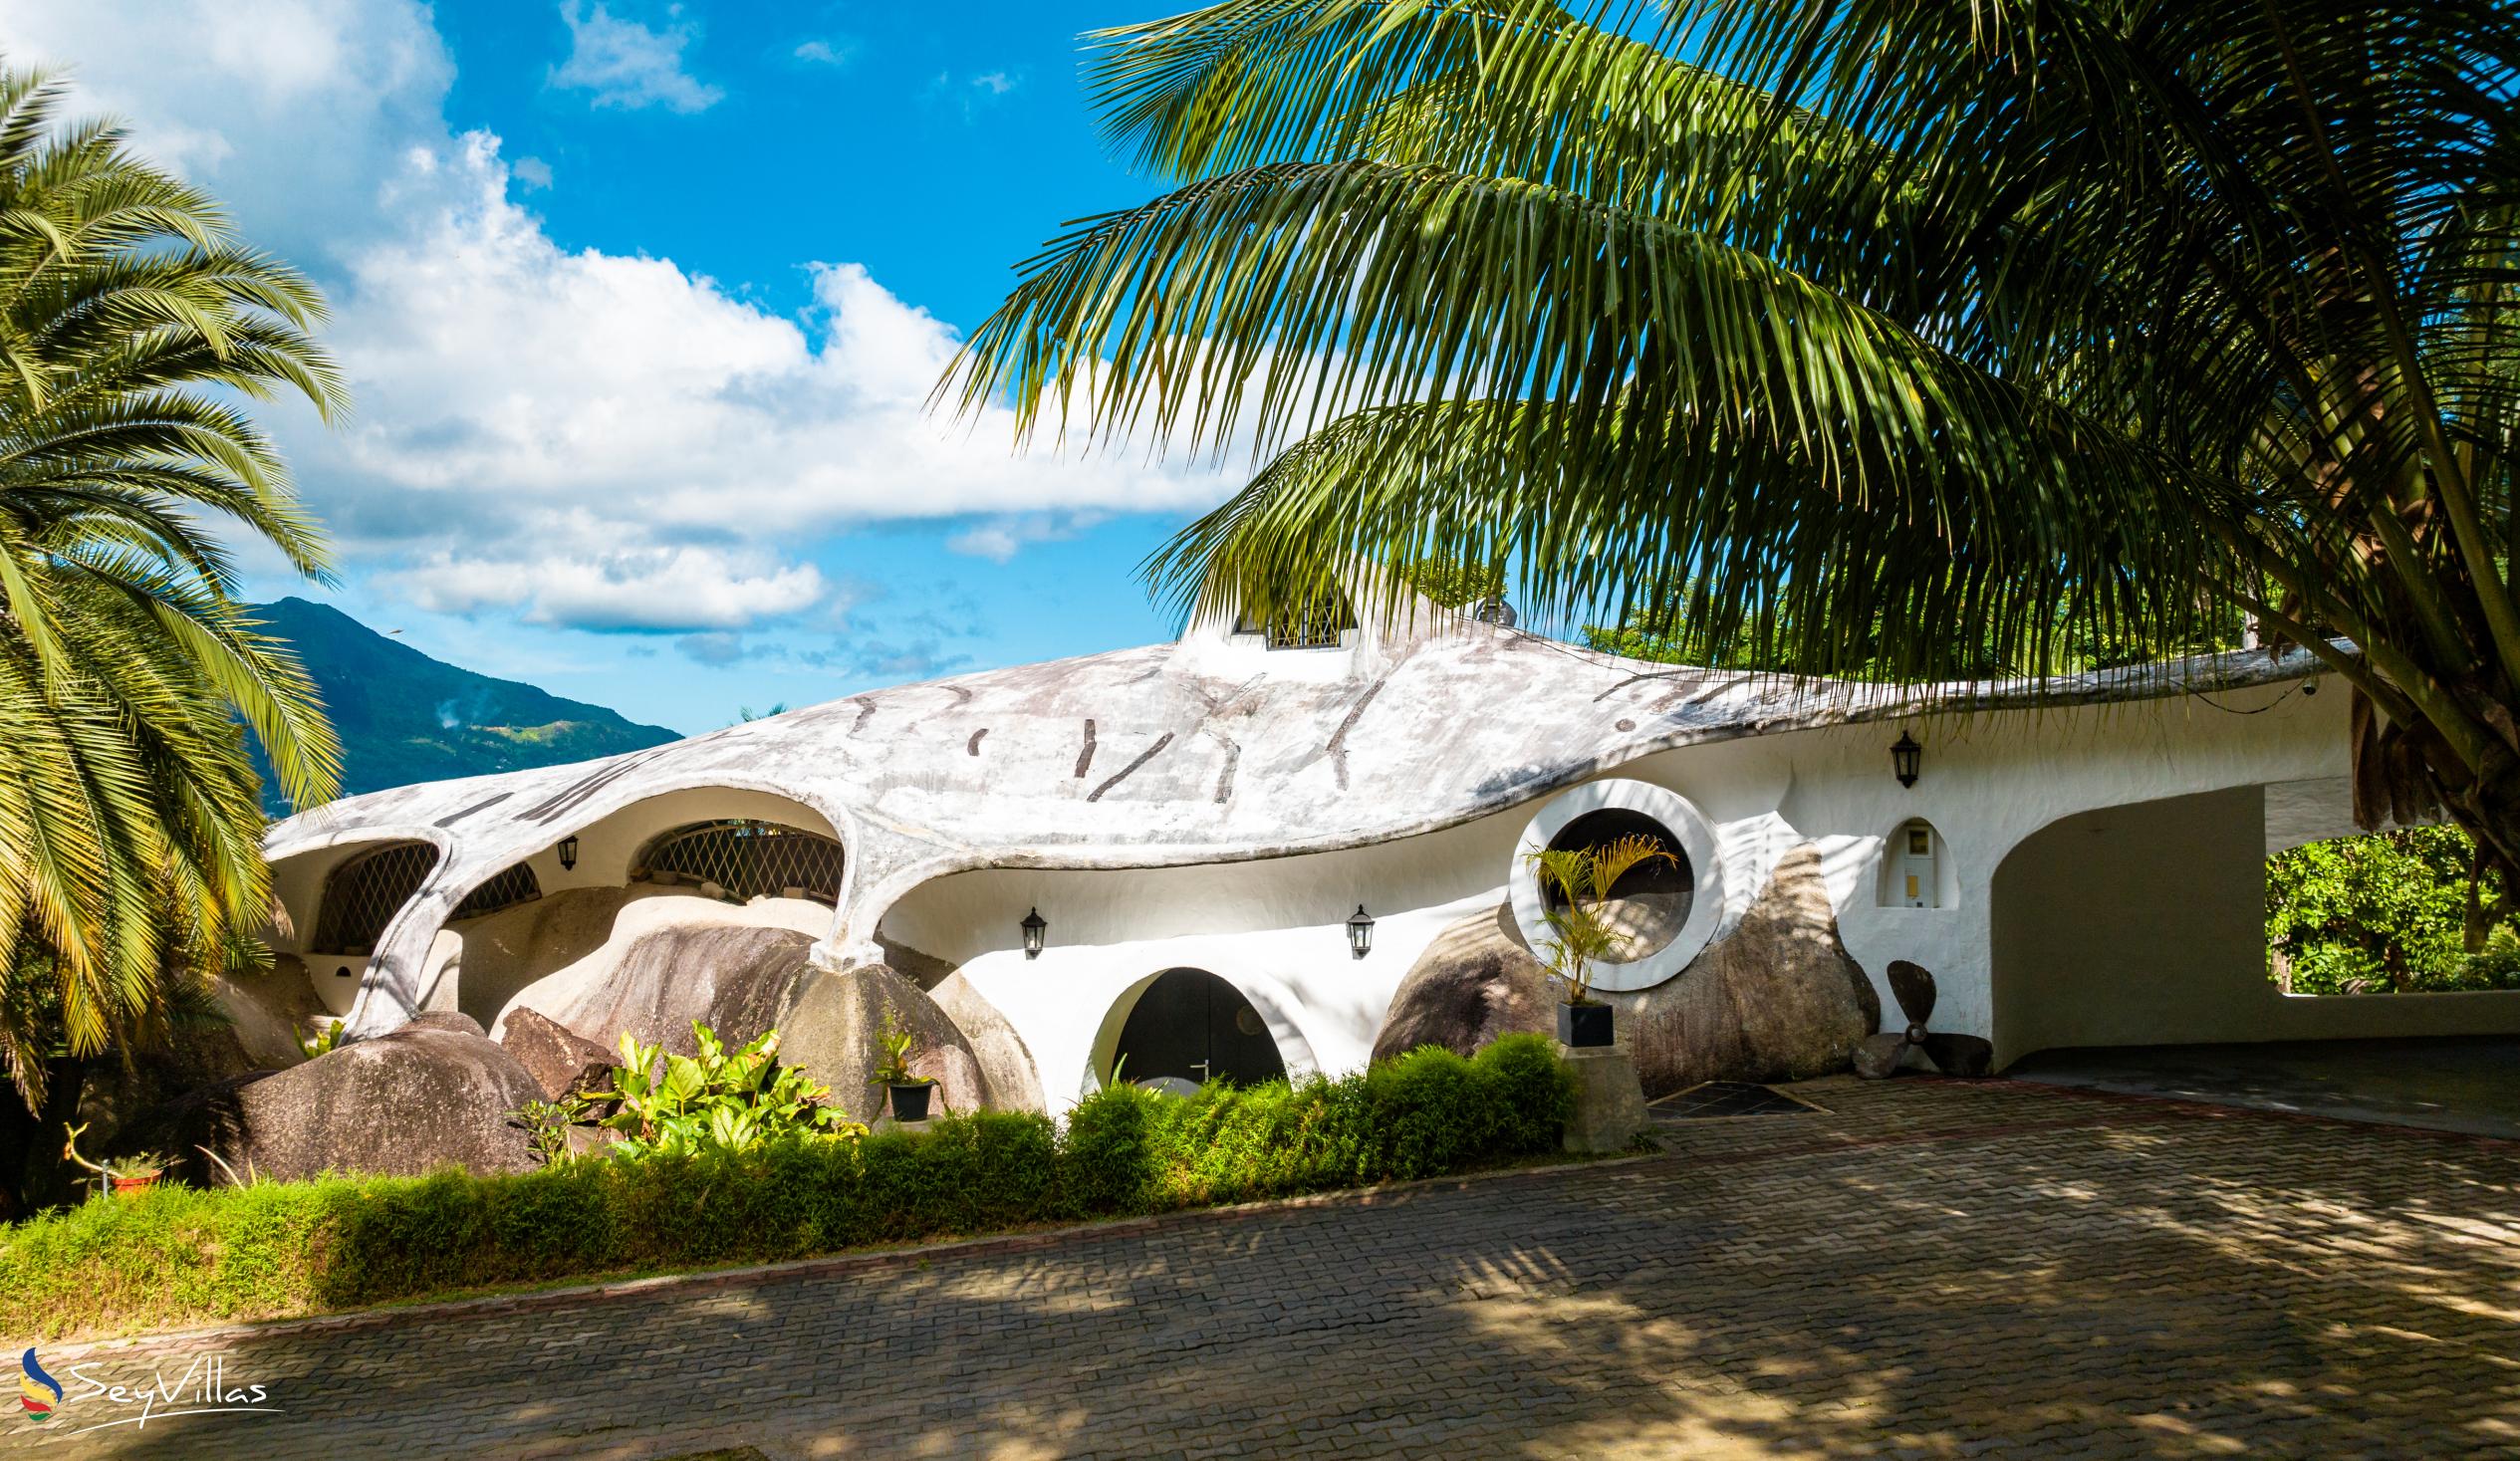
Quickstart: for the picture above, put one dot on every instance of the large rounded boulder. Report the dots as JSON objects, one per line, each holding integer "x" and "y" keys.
{"x": 399, "y": 1105}
{"x": 732, "y": 977}
{"x": 1006, "y": 1063}
{"x": 1474, "y": 983}
{"x": 743, "y": 979}
{"x": 829, "y": 1031}
{"x": 1775, "y": 999}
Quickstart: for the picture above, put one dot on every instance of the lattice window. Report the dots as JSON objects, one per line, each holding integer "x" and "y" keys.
{"x": 517, "y": 884}
{"x": 749, "y": 859}
{"x": 362, "y": 894}
{"x": 1316, "y": 625}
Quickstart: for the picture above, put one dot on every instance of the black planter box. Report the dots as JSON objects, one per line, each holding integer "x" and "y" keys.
{"x": 1583, "y": 1026}
{"x": 910, "y": 1102}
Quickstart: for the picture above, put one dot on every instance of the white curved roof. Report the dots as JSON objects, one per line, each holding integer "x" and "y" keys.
{"x": 1210, "y": 749}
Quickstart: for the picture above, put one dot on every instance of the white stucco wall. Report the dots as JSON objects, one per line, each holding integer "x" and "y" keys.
{"x": 1990, "y": 780}
{"x": 1275, "y": 928}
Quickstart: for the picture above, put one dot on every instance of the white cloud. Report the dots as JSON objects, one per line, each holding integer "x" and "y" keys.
{"x": 679, "y": 590}
{"x": 580, "y": 437}
{"x": 1000, "y": 539}
{"x": 825, "y": 51}
{"x": 969, "y": 94}
{"x": 290, "y": 119}
{"x": 509, "y": 388}
{"x": 626, "y": 65}
{"x": 532, "y": 173}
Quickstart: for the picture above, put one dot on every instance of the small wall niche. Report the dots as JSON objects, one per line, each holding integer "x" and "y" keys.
{"x": 1917, "y": 869}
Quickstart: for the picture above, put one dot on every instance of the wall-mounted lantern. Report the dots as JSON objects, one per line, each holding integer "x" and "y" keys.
{"x": 1036, "y": 929}
{"x": 1359, "y": 933}
{"x": 567, "y": 850}
{"x": 1906, "y": 759}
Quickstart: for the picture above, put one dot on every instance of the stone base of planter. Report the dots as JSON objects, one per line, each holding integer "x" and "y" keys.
{"x": 915, "y": 1128}
{"x": 1610, "y": 1103}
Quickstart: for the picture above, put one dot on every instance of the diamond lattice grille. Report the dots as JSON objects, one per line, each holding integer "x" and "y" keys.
{"x": 362, "y": 894}
{"x": 516, "y": 885}
{"x": 750, "y": 859}
{"x": 1314, "y": 627}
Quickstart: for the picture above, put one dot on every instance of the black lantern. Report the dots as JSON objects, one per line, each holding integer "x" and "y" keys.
{"x": 1035, "y": 926}
{"x": 567, "y": 850}
{"x": 1361, "y": 932}
{"x": 1906, "y": 759}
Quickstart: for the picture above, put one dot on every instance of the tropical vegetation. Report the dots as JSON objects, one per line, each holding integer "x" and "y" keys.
{"x": 1895, "y": 339}
{"x": 178, "y": 1256}
{"x": 1579, "y": 885}
{"x": 667, "y": 1105}
{"x": 2399, "y": 911}
{"x": 132, "y": 325}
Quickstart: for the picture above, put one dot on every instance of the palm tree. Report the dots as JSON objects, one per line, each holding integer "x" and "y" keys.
{"x": 1893, "y": 337}
{"x": 131, "y": 323}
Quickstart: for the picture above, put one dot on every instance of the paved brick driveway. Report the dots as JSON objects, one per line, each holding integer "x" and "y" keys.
{"x": 1926, "y": 1270}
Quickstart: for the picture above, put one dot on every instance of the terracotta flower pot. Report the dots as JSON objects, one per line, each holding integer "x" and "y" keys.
{"x": 131, "y": 1186}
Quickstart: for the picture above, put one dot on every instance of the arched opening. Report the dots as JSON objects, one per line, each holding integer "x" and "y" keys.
{"x": 556, "y": 935}
{"x": 2140, "y": 924}
{"x": 514, "y": 884}
{"x": 362, "y": 896}
{"x": 746, "y": 858}
{"x": 1916, "y": 870}
{"x": 1189, "y": 1025}
{"x": 1649, "y": 904}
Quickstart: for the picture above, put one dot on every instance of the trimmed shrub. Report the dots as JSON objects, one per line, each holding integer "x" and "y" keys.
{"x": 1427, "y": 1112}
{"x": 175, "y": 1255}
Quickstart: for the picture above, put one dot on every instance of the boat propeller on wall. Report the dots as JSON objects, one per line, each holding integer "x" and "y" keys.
{"x": 1953, "y": 1055}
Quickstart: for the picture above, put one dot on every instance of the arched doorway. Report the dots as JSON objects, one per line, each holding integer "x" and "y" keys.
{"x": 1192, "y": 1026}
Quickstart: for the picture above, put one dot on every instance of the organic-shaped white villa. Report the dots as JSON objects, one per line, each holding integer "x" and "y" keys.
{"x": 1198, "y": 825}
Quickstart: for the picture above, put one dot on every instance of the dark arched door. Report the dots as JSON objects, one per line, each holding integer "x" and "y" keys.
{"x": 1191, "y": 1025}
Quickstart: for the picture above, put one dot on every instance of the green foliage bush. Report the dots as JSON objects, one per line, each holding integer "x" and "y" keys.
{"x": 175, "y": 1255}
{"x": 2382, "y": 912}
{"x": 667, "y": 1105}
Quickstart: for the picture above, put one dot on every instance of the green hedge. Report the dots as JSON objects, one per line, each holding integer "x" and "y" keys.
{"x": 174, "y": 1256}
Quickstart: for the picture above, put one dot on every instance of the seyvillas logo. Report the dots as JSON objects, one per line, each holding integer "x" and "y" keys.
{"x": 38, "y": 1392}
{"x": 203, "y": 1388}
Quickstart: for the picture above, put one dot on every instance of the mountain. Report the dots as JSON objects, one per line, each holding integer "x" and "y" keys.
{"x": 404, "y": 717}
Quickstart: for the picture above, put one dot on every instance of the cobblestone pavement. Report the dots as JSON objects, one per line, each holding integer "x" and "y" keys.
{"x": 1924, "y": 1269}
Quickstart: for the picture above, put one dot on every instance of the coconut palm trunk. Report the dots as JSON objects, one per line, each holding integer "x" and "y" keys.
{"x": 1878, "y": 336}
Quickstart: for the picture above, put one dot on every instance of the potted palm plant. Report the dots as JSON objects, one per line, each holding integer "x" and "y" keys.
{"x": 908, "y": 1092}
{"x": 1580, "y": 934}
{"x": 134, "y": 1174}
{"x": 121, "y": 1175}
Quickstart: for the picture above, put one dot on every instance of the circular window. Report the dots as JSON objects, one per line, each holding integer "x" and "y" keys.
{"x": 1650, "y": 903}
{"x": 1664, "y": 910}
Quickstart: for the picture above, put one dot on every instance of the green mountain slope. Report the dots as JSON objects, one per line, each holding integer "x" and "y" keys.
{"x": 404, "y": 717}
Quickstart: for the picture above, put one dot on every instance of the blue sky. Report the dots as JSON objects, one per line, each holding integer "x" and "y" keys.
{"x": 639, "y": 303}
